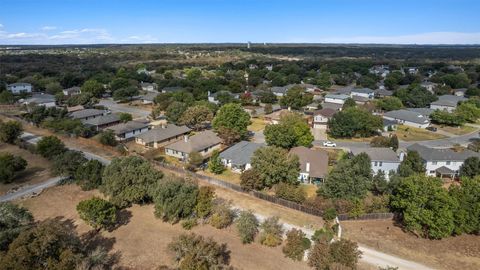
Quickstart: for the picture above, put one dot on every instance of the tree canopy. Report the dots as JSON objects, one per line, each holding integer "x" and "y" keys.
{"x": 232, "y": 116}
{"x": 275, "y": 165}
{"x": 292, "y": 130}
{"x": 354, "y": 122}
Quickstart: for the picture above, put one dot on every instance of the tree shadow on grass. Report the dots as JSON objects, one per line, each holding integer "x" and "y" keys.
{"x": 123, "y": 218}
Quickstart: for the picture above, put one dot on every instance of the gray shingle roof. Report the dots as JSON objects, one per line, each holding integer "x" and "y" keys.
{"x": 279, "y": 89}
{"x": 318, "y": 160}
{"x": 422, "y": 111}
{"x": 240, "y": 153}
{"x": 448, "y": 100}
{"x": 149, "y": 96}
{"x": 377, "y": 154}
{"x": 127, "y": 127}
{"x": 19, "y": 84}
{"x": 384, "y": 92}
{"x": 362, "y": 90}
{"x": 40, "y": 98}
{"x": 163, "y": 133}
{"x": 86, "y": 113}
{"x": 337, "y": 96}
{"x": 433, "y": 154}
{"x": 196, "y": 142}
{"x": 102, "y": 120}
{"x": 409, "y": 116}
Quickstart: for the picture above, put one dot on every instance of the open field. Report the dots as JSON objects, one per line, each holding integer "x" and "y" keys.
{"x": 143, "y": 240}
{"x": 462, "y": 130}
{"x": 461, "y": 252}
{"x": 37, "y": 171}
{"x": 405, "y": 133}
{"x": 257, "y": 124}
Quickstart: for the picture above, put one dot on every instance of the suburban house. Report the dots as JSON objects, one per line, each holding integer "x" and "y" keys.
{"x": 333, "y": 106}
{"x": 125, "y": 131}
{"x": 17, "y": 88}
{"x": 213, "y": 98}
{"x": 389, "y": 125}
{"x": 430, "y": 86}
{"x": 274, "y": 117}
{"x": 238, "y": 157}
{"x": 412, "y": 70}
{"x": 87, "y": 114}
{"x": 75, "y": 108}
{"x": 149, "y": 98}
{"x": 102, "y": 122}
{"x": 310, "y": 88}
{"x": 204, "y": 142}
{"x": 461, "y": 92}
{"x": 72, "y": 91}
{"x": 381, "y": 93}
{"x": 381, "y": 70}
{"x": 362, "y": 92}
{"x": 408, "y": 118}
{"x": 150, "y": 87}
{"x": 45, "y": 100}
{"x": 162, "y": 135}
{"x": 336, "y": 98}
{"x": 423, "y": 111}
{"x": 447, "y": 103}
{"x": 442, "y": 162}
{"x": 321, "y": 117}
{"x": 313, "y": 164}
{"x": 382, "y": 159}
{"x": 279, "y": 91}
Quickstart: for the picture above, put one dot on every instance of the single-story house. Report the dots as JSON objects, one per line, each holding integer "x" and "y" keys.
{"x": 17, "y": 88}
{"x": 447, "y": 103}
{"x": 162, "y": 135}
{"x": 362, "y": 92}
{"x": 360, "y": 100}
{"x": 238, "y": 156}
{"x": 102, "y": 122}
{"x": 149, "y": 98}
{"x": 336, "y": 98}
{"x": 72, "y": 91}
{"x": 423, "y": 111}
{"x": 442, "y": 162}
{"x": 381, "y": 93}
{"x": 389, "y": 125}
{"x": 125, "y": 131}
{"x": 172, "y": 89}
{"x": 204, "y": 142}
{"x": 87, "y": 114}
{"x": 430, "y": 86}
{"x": 279, "y": 91}
{"x": 40, "y": 100}
{"x": 333, "y": 106}
{"x": 461, "y": 92}
{"x": 274, "y": 117}
{"x": 150, "y": 87}
{"x": 382, "y": 159}
{"x": 213, "y": 98}
{"x": 313, "y": 164}
{"x": 321, "y": 117}
{"x": 408, "y": 118}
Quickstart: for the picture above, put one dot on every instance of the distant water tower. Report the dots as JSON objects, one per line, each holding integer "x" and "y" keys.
{"x": 249, "y": 44}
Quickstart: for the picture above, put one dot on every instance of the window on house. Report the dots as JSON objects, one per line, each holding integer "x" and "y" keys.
{"x": 375, "y": 163}
{"x": 432, "y": 172}
{"x": 380, "y": 163}
{"x": 448, "y": 162}
{"x": 434, "y": 163}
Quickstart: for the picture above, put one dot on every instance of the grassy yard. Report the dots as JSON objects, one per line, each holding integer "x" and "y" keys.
{"x": 310, "y": 190}
{"x": 257, "y": 124}
{"x": 406, "y": 133}
{"x": 367, "y": 139}
{"x": 462, "y": 130}
{"x": 227, "y": 176}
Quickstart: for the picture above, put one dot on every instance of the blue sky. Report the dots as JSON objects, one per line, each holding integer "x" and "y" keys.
{"x": 191, "y": 21}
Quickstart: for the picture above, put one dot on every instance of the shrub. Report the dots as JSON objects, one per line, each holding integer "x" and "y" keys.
{"x": 250, "y": 180}
{"x": 107, "y": 138}
{"x": 222, "y": 216}
{"x": 247, "y": 226}
{"x": 324, "y": 234}
{"x": 188, "y": 224}
{"x": 67, "y": 163}
{"x": 296, "y": 244}
{"x": 290, "y": 192}
{"x": 98, "y": 213}
{"x": 330, "y": 214}
{"x": 215, "y": 164}
{"x": 195, "y": 252}
{"x": 204, "y": 206}
{"x": 50, "y": 147}
{"x": 272, "y": 232}
{"x": 10, "y": 131}
{"x": 9, "y": 165}
{"x": 175, "y": 200}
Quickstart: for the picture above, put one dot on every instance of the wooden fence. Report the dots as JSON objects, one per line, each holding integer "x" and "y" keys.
{"x": 270, "y": 198}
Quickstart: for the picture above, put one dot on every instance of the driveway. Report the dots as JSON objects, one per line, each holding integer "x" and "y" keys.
{"x": 125, "y": 108}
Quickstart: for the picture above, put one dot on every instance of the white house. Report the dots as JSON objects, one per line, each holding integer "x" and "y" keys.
{"x": 442, "y": 162}
{"x": 362, "y": 92}
{"x": 72, "y": 91}
{"x": 447, "y": 103}
{"x": 150, "y": 87}
{"x": 382, "y": 159}
{"x": 161, "y": 136}
{"x": 45, "y": 100}
{"x": 336, "y": 98}
{"x": 321, "y": 117}
{"x": 17, "y": 88}
{"x": 214, "y": 98}
{"x": 238, "y": 157}
{"x": 204, "y": 143}
{"x": 125, "y": 131}
{"x": 408, "y": 118}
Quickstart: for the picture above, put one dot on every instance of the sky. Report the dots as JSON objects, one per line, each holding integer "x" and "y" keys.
{"x": 218, "y": 21}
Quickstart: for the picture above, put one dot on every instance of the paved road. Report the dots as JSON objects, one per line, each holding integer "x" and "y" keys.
{"x": 26, "y": 191}
{"x": 116, "y": 107}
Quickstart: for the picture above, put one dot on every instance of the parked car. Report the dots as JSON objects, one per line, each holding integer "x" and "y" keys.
{"x": 433, "y": 129}
{"x": 329, "y": 144}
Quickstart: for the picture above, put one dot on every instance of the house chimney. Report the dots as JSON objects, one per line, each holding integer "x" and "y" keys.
{"x": 307, "y": 167}
{"x": 185, "y": 138}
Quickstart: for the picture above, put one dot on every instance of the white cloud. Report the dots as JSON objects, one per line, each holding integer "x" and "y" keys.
{"x": 141, "y": 39}
{"x": 75, "y": 36}
{"x": 422, "y": 38}
{"x": 48, "y": 28}
{"x": 1, "y": 25}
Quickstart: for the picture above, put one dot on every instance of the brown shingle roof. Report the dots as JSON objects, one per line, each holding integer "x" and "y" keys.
{"x": 196, "y": 143}
{"x": 318, "y": 160}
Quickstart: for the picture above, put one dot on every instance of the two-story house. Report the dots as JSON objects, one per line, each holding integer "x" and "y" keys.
{"x": 17, "y": 88}
{"x": 321, "y": 117}
{"x": 382, "y": 159}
